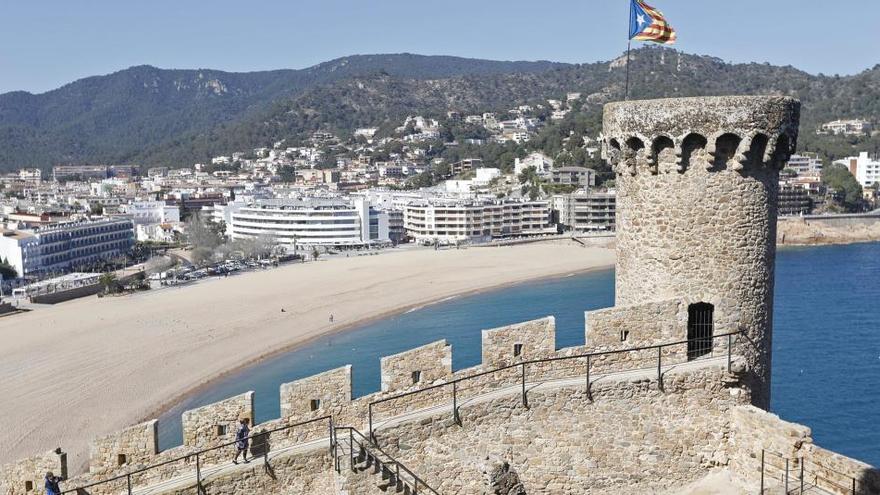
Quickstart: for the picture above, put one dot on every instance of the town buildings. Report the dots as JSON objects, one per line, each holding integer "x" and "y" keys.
{"x": 586, "y": 210}
{"x": 453, "y": 221}
{"x": 298, "y": 223}
{"x": 866, "y": 169}
{"x": 849, "y": 127}
{"x": 66, "y": 246}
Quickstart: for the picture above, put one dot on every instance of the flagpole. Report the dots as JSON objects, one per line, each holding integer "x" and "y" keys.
{"x": 626, "y": 87}
{"x": 628, "y": 45}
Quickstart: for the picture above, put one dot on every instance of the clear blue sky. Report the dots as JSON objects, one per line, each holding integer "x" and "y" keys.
{"x": 47, "y": 43}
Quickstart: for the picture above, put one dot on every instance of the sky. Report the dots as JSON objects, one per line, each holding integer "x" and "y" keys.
{"x": 47, "y": 43}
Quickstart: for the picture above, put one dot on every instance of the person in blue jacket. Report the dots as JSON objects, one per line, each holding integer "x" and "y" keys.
{"x": 241, "y": 441}
{"x": 52, "y": 487}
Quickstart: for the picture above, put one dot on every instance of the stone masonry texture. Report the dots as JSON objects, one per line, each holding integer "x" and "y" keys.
{"x": 697, "y": 182}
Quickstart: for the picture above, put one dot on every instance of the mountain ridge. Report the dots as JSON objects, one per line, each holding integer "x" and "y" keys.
{"x": 176, "y": 117}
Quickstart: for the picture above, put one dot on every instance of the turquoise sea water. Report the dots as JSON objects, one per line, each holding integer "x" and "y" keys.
{"x": 826, "y": 347}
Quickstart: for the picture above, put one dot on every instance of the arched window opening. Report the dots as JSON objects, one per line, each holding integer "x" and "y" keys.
{"x": 690, "y": 145}
{"x": 700, "y": 329}
{"x": 725, "y": 149}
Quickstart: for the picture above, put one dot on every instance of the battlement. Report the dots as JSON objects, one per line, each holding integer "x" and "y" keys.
{"x": 330, "y": 394}
{"x": 715, "y": 133}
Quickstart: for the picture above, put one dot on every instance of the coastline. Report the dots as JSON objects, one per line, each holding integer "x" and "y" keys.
{"x": 111, "y": 363}
{"x": 353, "y": 326}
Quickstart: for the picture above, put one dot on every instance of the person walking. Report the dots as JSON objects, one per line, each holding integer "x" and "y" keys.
{"x": 241, "y": 441}
{"x": 52, "y": 484}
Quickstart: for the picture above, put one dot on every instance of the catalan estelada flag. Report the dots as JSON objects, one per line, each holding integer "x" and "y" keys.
{"x": 648, "y": 24}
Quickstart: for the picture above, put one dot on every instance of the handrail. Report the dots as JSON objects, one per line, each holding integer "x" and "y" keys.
{"x": 198, "y": 453}
{"x": 801, "y": 474}
{"x": 523, "y": 364}
{"x": 373, "y": 445}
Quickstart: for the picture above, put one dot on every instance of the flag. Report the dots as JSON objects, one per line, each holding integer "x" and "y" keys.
{"x": 648, "y": 24}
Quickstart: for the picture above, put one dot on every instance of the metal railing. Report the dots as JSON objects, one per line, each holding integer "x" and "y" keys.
{"x": 396, "y": 472}
{"x": 261, "y": 436}
{"x": 796, "y": 477}
{"x": 523, "y": 365}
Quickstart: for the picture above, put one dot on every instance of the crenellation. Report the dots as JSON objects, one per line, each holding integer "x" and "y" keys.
{"x": 317, "y": 395}
{"x": 417, "y": 367}
{"x": 138, "y": 444}
{"x": 518, "y": 342}
{"x": 217, "y": 423}
{"x": 25, "y": 477}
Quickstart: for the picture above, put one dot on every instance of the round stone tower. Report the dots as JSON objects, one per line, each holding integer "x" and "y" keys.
{"x": 697, "y": 187}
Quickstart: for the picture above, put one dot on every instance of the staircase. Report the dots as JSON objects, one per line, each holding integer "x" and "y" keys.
{"x": 369, "y": 467}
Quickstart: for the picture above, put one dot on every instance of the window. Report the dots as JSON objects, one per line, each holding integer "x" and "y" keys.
{"x": 700, "y": 329}
{"x": 28, "y": 486}
{"x": 314, "y": 404}
{"x": 416, "y": 377}
{"x": 221, "y": 430}
{"x": 624, "y": 335}
{"x": 121, "y": 459}
{"x": 517, "y": 350}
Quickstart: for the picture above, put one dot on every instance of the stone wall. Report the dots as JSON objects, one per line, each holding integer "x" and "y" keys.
{"x": 416, "y": 368}
{"x": 134, "y": 445}
{"x": 697, "y": 185}
{"x": 216, "y": 424}
{"x": 755, "y": 432}
{"x": 630, "y": 438}
{"x": 26, "y": 477}
{"x": 523, "y": 341}
{"x": 318, "y": 395}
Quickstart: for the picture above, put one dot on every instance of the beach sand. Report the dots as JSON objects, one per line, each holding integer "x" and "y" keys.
{"x": 89, "y": 367}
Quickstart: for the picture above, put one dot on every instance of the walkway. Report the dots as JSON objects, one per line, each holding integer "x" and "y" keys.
{"x": 214, "y": 471}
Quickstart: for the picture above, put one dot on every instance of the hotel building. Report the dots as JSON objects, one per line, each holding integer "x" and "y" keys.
{"x": 448, "y": 222}
{"x": 296, "y": 223}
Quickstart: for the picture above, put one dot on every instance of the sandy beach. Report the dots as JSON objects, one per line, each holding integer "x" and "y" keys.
{"x": 92, "y": 366}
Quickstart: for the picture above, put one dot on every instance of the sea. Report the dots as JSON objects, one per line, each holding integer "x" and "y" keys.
{"x": 826, "y": 343}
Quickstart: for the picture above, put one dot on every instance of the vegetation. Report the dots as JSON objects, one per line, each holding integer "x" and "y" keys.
{"x": 7, "y": 271}
{"x": 160, "y": 117}
{"x": 840, "y": 179}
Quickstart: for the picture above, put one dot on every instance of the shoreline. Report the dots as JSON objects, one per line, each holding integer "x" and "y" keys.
{"x": 175, "y": 402}
{"x": 107, "y": 364}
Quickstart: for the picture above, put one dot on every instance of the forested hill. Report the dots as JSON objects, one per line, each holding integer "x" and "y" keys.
{"x": 177, "y": 117}
{"x": 133, "y": 113}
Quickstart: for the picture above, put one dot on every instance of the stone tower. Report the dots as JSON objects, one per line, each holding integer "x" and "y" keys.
{"x": 697, "y": 187}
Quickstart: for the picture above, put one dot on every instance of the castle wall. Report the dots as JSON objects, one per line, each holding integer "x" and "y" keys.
{"x": 316, "y": 396}
{"x": 536, "y": 339}
{"x": 216, "y": 424}
{"x": 288, "y": 474}
{"x": 697, "y": 185}
{"x": 431, "y": 362}
{"x": 131, "y": 446}
{"x": 631, "y": 438}
{"x": 26, "y": 477}
{"x": 754, "y": 430}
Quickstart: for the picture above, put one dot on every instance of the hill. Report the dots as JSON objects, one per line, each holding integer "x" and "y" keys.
{"x": 177, "y": 117}
{"x": 132, "y": 113}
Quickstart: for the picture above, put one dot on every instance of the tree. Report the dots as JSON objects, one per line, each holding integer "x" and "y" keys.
{"x": 287, "y": 173}
{"x": 839, "y": 178}
{"x": 7, "y": 271}
{"x": 203, "y": 238}
{"x": 109, "y": 282}
{"x": 531, "y": 182}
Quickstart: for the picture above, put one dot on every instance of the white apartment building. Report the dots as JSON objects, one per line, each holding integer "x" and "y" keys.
{"x": 586, "y": 211}
{"x": 865, "y": 169}
{"x": 66, "y": 246}
{"x": 852, "y": 127}
{"x": 297, "y": 223}
{"x": 449, "y": 222}
{"x": 152, "y": 212}
{"x": 806, "y": 164}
